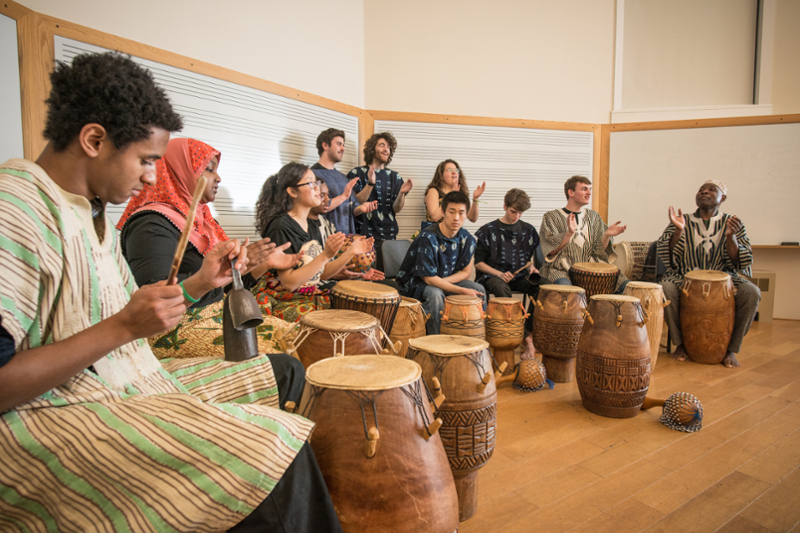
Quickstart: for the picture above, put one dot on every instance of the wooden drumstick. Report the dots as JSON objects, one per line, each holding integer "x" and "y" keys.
{"x": 526, "y": 265}
{"x": 649, "y": 403}
{"x": 199, "y": 189}
{"x": 372, "y": 442}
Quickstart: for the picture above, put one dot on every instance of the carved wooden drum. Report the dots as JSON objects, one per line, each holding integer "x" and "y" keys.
{"x": 613, "y": 369}
{"x": 463, "y": 315}
{"x": 408, "y": 324}
{"x": 653, "y": 301}
{"x": 595, "y": 278}
{"x": 557, "y": 325}
{"x": 462, "y": 368}
{"x": 708, "y": 310}
{"x": 380, "y": 301}
{"x": 330, "y": 333}
{"x": 377, "y": 445}
{"x": 505, "y": 329}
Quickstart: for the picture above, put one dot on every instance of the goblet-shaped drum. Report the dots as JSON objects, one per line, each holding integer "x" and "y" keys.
{"x": 613, "y": 370}
{"x": 505, "y": 328}
{"x": 376, "y": 299}
{"x": 461, "y": 368}
{"x": 653, "y": 301}
{"x": 377, "y": 445}
{"x": 595, "y": 278}
{"x": 708, "y": 310}
{"x": 408, "y": 324}
{"x": 463, "y": 315}
{"x": 557, "y": 325}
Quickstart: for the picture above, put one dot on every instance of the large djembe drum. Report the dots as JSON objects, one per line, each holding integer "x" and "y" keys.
{"x": 463, "y": 315}
{"x": 330, "y": 333}
{"x": 613, "y": 369}
{"x": 594, "y": 278}
{"x": 377, "y": 445}
{"x": 505, "y": 329}
{"x": 408, "y": 324}
{"x": 462, "y": 368}
{"x": 376, "y": 299}
{"x": 653, "y": 301}
{"x": 708, "y": 310}
{"x": 557, "y": 325}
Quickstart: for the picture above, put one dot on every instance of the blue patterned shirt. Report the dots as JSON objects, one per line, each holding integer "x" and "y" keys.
{"x": 381, "y": 223}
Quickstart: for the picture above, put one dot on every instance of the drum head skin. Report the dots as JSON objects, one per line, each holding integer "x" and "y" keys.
{"x": 463, "y": 299}
{"x": 615, "y": 298}
{"x": 409, "y": 302}
{"x": 504, "y": 301}
{"x": 706, "y": 275}
{"x": 363, "y": 372}
{"x": 339, "y": 320}
{"x": 601, "y": 268}
{"x": 642, "y": 285}
{"x": 448, "y": 345}
{"x": 562, "y": 288}
{"x": 365, "y": 289}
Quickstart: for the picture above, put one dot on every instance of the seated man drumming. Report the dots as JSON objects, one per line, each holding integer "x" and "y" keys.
{"x": 708, "y": 240}
{"x": 97, "y": 435}
{"x": 439, "y": 262}
{"x": 505, "y": 255}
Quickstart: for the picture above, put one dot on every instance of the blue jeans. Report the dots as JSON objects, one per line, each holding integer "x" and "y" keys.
{"x": 433, "y": 303}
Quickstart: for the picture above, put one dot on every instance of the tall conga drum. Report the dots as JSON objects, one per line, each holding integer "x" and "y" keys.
{"x": 330, "y": 333}
{"x": 557, "y": 325}
{"x": 408, "y": 324}
{"x": 376, "y": 299}
{"x": 595, "y": 278}
{"x": 463, "y": 315}
{"x": 505, "y": 329}
{"x": 613, "y": 369}
{"x": 462, "y": 368}
{"x": 653, "y": 301}
{"x": 377, "y": 446}
{"x": 708, "y": 310}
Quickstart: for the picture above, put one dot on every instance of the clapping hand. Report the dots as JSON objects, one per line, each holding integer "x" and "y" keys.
{"x": 677, "y": 218}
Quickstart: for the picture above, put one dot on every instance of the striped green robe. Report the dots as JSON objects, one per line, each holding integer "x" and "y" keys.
{"x": 704, "y": 248}
{"x": 193, "y": 445}
{"x": 585, "y": 246}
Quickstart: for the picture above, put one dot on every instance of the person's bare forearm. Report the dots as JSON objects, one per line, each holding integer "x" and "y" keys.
{"x": 33, "y": 372}
{"x": 399, "y": 202}
{"x": 461, "y": 275}
{"x": 486, "y": 269}
{"x": 564, "y": 241}
{"x": 439, "y": 283}
{"x": 474, "y": 212}
{"x": 293, "y": 278}
{"x": 363, "y": 195}
{"x": 732, "y": 247}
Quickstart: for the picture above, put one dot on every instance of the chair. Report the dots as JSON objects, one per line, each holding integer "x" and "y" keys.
{"x": 393, "y": 253}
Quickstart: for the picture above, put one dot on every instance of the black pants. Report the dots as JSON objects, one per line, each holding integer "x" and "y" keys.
{"x": 299, "y": 503}
{"x": 501, "y": 289}
{"x": 290, "y": 376}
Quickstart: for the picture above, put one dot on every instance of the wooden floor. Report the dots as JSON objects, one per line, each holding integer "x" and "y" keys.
{"x": 557, "y": 467}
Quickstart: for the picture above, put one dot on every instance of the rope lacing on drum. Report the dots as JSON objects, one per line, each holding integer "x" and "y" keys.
{"x": 339, "y": 336}
{"x": 415, "y": 394}
{"x": 477, "y": 361}
{"x": 369, "y": 397}
{"x": 376, "y": 344}
{"x": 316, "y": 392}
{"x": 305, "y": 331}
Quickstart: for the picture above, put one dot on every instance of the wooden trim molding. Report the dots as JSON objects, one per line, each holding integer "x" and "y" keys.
{"x": 706, "y": 123}
{"x": 13, "y": 10}
{"x": 403, "y": 116}
{"x": 602, "y": 166}
{"x": 366, "y": 127}
{"x": 36, "y": 60}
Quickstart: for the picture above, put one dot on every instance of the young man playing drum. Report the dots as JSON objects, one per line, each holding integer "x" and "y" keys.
{"x": 504, "y": 255}
{"x": 708, "y": 240}
{"x": 576, "y": 234}
{"x": 439, "y": 262}
{"x": 96, "y": 434}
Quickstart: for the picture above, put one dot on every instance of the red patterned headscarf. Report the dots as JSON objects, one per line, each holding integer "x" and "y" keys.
{"x": 176, "y": 176}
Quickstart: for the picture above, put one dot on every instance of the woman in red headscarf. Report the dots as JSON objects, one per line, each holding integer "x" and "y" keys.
{"x": 151, "y": 227}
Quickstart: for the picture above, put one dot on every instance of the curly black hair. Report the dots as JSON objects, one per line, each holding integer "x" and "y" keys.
{"x": 109, "y": 89}
{"x": 274, "y": 201}
{"x": 327, "y": 137}
{"x": 369, "y": 146}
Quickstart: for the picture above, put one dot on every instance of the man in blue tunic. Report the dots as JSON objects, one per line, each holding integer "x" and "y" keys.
{"x": 440, "y": 260}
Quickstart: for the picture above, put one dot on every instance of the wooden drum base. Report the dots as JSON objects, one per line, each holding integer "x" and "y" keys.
{"x": 467, "y": 489}
{"x": 558, "y": 369}
{"x": 611, "y": 412}
{"x": 505, "y": 356}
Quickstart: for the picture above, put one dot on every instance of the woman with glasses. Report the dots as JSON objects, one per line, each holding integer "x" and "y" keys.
{"x": 282, "y": 213}
{"x": 448, "y": 178}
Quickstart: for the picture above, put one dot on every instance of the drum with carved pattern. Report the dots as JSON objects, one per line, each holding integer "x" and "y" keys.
{"x": 595, "y": 278}
{"x": 408, "y": 324}
{"x": 463, "y": 315}
{"x": 378, "y": 447}
{"x": 557, "y": 325}
{"x": 613, "y": 368}
{"x": 651, "y": 295}
{"x": 461, "y": 368}
{"x": 505, "y": 329}
{"x": 708, "y": 310}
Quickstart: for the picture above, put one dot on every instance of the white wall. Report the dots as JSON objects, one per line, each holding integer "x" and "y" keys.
{"x": 785, "y": 64}
{"x": 10, "y": 108}
{"x": 314, "y": 45}
{"x": 532, "y": 59}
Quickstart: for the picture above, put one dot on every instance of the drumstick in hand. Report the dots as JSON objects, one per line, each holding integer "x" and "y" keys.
{"x": 526, "y": 265}
{"x": 187, "y": 229}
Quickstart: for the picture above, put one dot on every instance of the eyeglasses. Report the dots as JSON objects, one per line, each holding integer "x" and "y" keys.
{"x": 453, "y": 170}
{"x": 312, "y": 184}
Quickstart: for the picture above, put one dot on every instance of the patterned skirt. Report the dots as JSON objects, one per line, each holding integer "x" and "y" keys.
{"x": 199, "y": 334}
{"x": 289, "y": 306}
